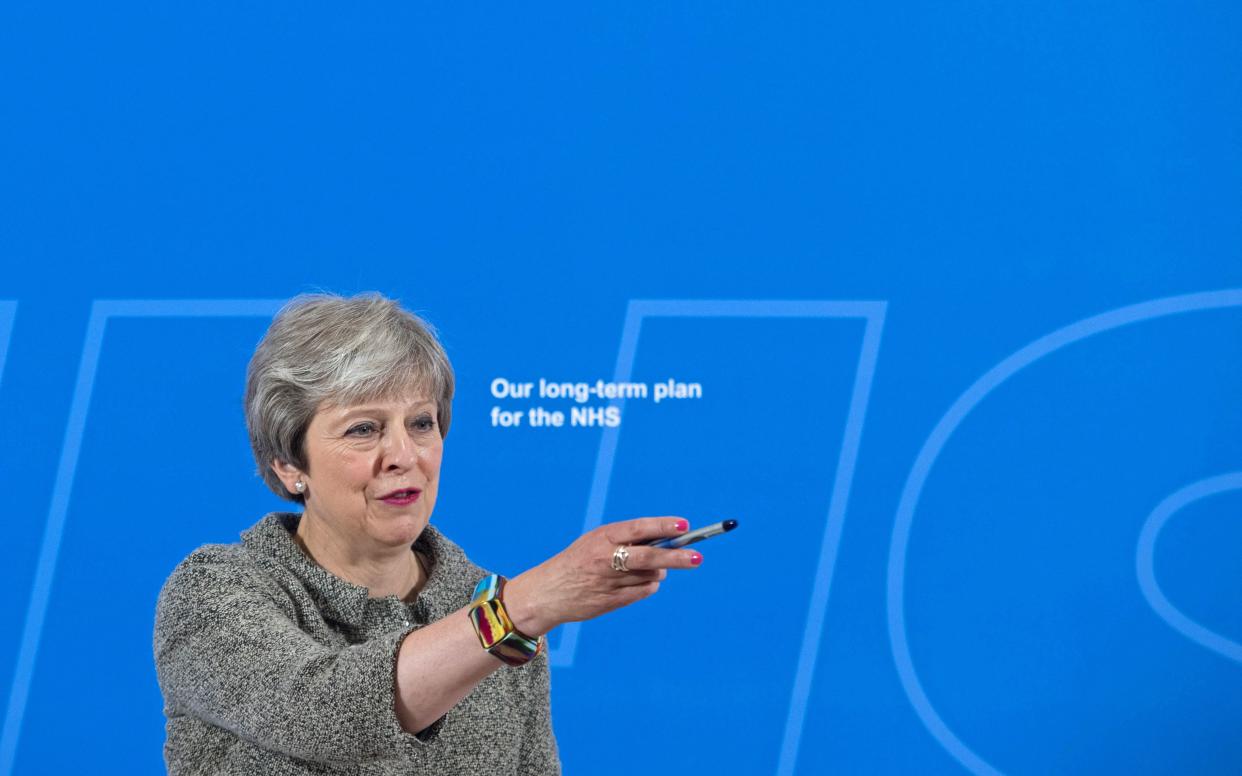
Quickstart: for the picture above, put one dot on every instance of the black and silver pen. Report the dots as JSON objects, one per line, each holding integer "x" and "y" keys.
{"x": 697, "y": 535}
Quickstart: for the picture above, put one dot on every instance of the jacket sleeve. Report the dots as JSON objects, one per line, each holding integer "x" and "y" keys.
{"x": 539, "y": 755}
{"x": 229, "y": 651}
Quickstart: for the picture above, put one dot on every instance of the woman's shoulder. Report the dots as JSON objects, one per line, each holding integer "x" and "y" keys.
{"x": 217, "y": 571}
{"x": 211, "y": 562}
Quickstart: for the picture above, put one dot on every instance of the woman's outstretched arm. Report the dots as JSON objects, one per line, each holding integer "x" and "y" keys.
{"x": 441, "y": 663}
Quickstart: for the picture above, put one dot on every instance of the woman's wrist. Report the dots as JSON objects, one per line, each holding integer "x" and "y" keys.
{"x": 523, "y": 608}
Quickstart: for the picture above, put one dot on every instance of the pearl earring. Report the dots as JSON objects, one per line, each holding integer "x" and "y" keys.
{"x": 299, "y": 486}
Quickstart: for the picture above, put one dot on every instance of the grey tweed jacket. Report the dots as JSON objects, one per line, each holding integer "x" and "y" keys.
{"x": 269, "y": 664}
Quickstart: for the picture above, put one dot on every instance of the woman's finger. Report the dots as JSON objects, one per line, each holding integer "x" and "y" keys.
{"x": 645, "y": 529}
{"x": 638, "y": 592}
{"x": 638, "y": 577}
{"x": 653, "y": 558}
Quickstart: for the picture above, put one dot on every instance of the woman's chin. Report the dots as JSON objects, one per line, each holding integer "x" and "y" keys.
{"x": 400, "y": 530}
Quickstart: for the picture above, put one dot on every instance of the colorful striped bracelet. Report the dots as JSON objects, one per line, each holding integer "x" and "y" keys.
{"x": 496, "y": 631}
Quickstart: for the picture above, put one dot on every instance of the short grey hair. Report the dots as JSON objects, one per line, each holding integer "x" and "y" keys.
{"x": 328, "y": 349}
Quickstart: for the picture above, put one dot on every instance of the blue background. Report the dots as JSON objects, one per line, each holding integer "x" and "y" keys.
{"x": 984, "y": 173}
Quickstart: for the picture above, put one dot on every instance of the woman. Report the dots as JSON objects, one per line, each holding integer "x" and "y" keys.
{"x": 354, "y": 637}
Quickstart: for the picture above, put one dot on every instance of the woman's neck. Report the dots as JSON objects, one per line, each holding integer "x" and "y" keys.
{"x": 393, "y": 571}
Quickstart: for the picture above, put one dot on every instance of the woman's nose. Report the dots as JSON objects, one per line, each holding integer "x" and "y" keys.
{"x": 400, "y": 452}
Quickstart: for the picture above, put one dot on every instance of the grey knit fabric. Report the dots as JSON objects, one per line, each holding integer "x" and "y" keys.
{"x": 269, "y": 664}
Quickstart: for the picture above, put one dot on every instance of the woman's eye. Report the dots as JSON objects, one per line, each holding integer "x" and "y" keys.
{"x": 424, "y": 423}
{"x": 362, "y": 429}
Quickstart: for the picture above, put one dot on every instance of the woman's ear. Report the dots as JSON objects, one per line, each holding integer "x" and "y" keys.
{"x": 289, "y": 475}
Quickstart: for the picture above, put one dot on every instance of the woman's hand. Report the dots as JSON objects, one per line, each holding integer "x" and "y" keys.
{"x": 580, "y": 583}
{"x": 439, "y": 664}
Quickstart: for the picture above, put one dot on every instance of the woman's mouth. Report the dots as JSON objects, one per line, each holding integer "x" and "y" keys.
{"x": 400, "y": 498}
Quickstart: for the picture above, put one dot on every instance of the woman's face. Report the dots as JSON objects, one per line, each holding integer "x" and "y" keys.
{"x": 373, "y": 469}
